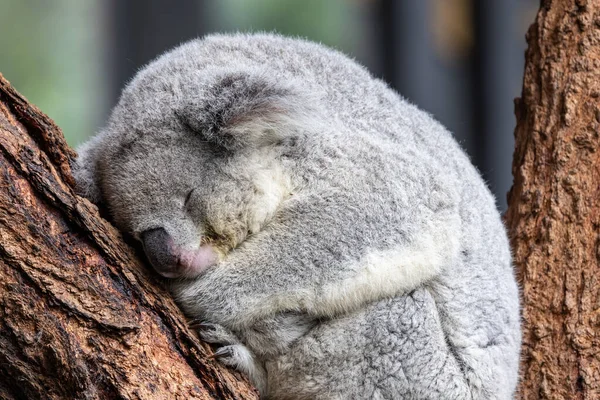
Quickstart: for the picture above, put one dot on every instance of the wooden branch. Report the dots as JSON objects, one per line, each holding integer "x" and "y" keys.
{"x": 80, "y": 316}
{"x": 554, "y": 205}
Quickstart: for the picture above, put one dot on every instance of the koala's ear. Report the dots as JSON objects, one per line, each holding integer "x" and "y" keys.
{"x": 85, "y": 170}
{"x": 248, "y": 109}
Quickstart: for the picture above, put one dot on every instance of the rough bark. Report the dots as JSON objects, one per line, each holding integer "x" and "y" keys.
{"x": 80, "y": 316}
{"x": 554, "y": 205}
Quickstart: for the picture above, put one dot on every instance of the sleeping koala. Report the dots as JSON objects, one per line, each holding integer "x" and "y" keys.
{"x": 332, "y": 239}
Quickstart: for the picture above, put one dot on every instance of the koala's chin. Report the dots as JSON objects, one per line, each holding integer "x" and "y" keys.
{"x": 173, "y": 261}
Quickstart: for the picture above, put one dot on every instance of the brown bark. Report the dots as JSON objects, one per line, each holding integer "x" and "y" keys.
{"x": 554, "y": 205}
{"x": 80, "y": 316}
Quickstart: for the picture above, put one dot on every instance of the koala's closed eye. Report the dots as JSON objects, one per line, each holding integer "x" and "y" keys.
{"x": 188, "y": 197}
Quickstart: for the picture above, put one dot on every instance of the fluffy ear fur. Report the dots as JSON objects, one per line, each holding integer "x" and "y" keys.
{"x": 244, "y": 109}
{"x": 85, "y": 170}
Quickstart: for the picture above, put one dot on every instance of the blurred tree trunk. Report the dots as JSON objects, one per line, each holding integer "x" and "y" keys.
{"x": 80, "y": 317}
{"x": 554, "y": 204}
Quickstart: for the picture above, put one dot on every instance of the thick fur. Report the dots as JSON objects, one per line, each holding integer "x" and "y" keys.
{"x": 361, "y": 255}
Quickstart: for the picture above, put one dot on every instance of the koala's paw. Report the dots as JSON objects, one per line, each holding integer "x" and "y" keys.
{"x": 216, "y": 334}
{"x": 233, "y": 353}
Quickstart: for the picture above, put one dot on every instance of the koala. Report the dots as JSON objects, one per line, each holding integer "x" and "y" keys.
{"x": 331, "y": 240}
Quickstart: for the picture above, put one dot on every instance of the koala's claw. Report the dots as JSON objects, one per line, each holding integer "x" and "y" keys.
{"x": 233, "y": 355}
{"x": 216, "y": 334}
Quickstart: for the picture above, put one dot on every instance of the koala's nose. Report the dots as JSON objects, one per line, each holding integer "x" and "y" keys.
{"x": 159, "y": 249}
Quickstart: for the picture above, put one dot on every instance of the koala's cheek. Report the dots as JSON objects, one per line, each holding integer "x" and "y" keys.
{"x": 195, "y": 262}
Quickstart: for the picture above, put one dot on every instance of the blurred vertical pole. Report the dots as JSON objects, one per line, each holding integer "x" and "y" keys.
{"x": 404, "y": 54}
{"x": 142, "y": 29}
{"x": 497, "y": 66}
{"x": 404, "y": 45}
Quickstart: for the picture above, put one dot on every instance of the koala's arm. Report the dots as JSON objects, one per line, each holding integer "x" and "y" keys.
{"x": 316, "y": 258}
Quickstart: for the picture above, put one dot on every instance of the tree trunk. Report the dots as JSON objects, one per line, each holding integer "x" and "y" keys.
{"x": 554, "y": 204}
{"x": 80, "y": 316}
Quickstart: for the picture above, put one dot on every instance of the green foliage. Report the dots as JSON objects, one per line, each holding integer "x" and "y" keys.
{"x": 50, "y": 54}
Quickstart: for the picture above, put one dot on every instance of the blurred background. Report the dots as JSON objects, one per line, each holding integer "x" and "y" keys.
{"x": 461, "y": 60}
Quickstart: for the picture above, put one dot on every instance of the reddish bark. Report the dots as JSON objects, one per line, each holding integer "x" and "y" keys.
{"x": 554, "y": 205}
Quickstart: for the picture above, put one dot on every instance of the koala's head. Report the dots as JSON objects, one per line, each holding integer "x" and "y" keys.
{"x": 192, "y": 161}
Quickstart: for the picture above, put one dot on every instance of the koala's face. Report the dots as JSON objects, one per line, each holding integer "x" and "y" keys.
{"x": 188, "y": 201}
{"x": 193, "y": 182}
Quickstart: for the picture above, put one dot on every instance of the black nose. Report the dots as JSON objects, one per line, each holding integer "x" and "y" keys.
{"x": 158, "y": 246}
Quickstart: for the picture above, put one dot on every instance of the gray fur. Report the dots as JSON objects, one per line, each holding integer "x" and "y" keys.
{"x": 361, "y": 254}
